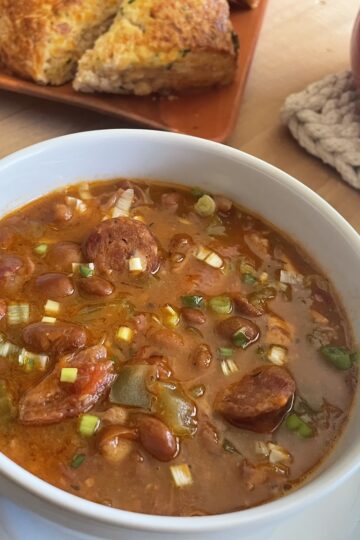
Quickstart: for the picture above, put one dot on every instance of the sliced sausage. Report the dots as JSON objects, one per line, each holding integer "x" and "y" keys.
{"x": 157, "y": 439}
{"x": 51, "y": 400}
{"x": 62, "y": 255}
{"x": 56, "y": 338}
{"x": 9, "y": 265}
{"x": 228, "y": 327}
{"x": 244, "y": 307}
{"x": 54, "y": 285}
{"x": 258, "y": 401}
{"x": 193, "y": 316}
{"x": 114, "y": 241}
{"x": 95, "y": 286}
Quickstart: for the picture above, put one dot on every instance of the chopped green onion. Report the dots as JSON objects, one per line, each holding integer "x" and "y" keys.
{"x": 41, "y": 249}
{"x": 31, "y": 361}
{"x": 228, "y": 366}
{"x": 51, "y": 307}
{"x": 49, "y": 320}
{"x": 8, "y": 349}
{"x": 339, "y": 357}
{"x": 123, "y": 204}
{"x": 181, "y": 475}
{"x": 197, "y": 391}
{"x": 77, "y": 460}
{"x": 221, "y": 304}
{"x": 249, "y": 279}
{"x": 295, "y": 423}
{"x": 18, "y": 313}
{"x": 209, "y": 257}
{"x": 240, "y": 339}
{"x": 228, "y": 446}
{"x": 137, "y": 265}
{"x": 88, "y": 425}
{"x": 291, "y": 278}
{"x": 193, "y": 301}
{"x": 205, "y": 206}
{"x": 225, "y": 352}
{"x": 84, "y": 191}
{"x": 87, "y": 270}
{"x": 68, "y": 374}
{"x": 197, "y": 192}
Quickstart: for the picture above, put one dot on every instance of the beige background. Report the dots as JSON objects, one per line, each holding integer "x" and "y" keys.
{"x": 301, "y": 41}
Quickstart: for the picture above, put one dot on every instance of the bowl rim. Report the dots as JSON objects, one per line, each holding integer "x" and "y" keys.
{"x": 307, "y": 494}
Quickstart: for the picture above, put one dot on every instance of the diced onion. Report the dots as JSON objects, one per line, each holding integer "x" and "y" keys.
{"x": 49, "y": 320}
{"x": 68, "y": 374}
{"x": 228, "y": 366}
{"x": 291, "y": 278}
{"x": 51, "y": 307}
{"x": 78, "y": 204}
{"x": 263, "y": 278}
{"x": 261, "y": 448}
{"x": 123, "y": 204}
{"x": 277, "y": 454}
{"x": 171, "y": 317}
{"x": 181, "y": 475}
{"x": 277, "y": 355}
{"x": 8, "y": 349}
{"x": 138, "y": 217}
{"x": 202, "y": 253}
{"x": 136, "y": 264}
{"x": 18, "y": 313}
{"x": 125, "y": 333}
{"x": 84, "y": 191}
{"x": 88, "y": 425}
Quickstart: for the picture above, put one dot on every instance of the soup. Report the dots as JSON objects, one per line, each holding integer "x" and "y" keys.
{"x": 164, "y": 351}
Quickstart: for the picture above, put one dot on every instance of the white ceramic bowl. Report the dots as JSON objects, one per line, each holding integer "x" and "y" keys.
{"x": 265, "y": 190}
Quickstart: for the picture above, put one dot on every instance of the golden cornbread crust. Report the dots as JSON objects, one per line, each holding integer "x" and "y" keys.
{"x": 161, "y": 45}
{"x": 43, "y": 39}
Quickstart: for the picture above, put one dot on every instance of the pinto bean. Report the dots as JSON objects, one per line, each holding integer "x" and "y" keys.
{"x": 9, "y": 265}
{"x": 51, "y": 400}
{"x": 54, "y": 285}
{"x": 180, "y": 243}
{"x": 95, "y": 286}
{"x": 61, "y": 213}
{"x": 202, "y": 356}
{"x": 167, "y": 339}
{"x": 157, "y": 439}
{"x": 62, "y": 254}
{"x": 171, "y": 200}
{"x": 111, "y": 244}
{"x": 259, "y": 400}
{"x": 3, "y": 309}
{"x": 55, "y": 338}
{"x": 193, "y": 316}
{"x": 244, "y": 307}
{"x": 223, "y": 204}
{"x": 228, "y": 327}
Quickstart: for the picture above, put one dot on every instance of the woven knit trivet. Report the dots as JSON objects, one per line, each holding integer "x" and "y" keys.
{"x": 325, "y": 120}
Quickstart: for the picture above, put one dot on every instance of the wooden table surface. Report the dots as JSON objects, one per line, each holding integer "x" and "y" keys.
{"x": 301, "y": 41}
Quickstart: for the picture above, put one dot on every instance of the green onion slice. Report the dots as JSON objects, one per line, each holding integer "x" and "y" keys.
{"x": 86, "y": 270}
{"x": 221, "y": 304}
{"x": 89, "y": 423}
{"x": 225, "y": 352}
{"x": 248, "y": 279}
{"x": 77, "y": 460}
{"x": 228, "y": 446}
{"x": 240, "y": 339}
{"x": 68, "y": 374}
{"x": 295, "y": 423}
{"x": 193, "y": 301}
{"x": 41, "y": 249}
{"x": 339, "y": 357}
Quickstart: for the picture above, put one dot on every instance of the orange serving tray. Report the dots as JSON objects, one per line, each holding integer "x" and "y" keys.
{"x": 210, "y": 114}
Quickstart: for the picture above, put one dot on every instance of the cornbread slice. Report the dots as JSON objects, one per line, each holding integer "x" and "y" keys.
{"x": 43, "y": 39}
{"x": 161, "y": 46}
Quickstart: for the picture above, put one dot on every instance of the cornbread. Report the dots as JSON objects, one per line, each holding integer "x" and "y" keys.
{"x": 161, "y": 46}
{"x": 43, "y": 39}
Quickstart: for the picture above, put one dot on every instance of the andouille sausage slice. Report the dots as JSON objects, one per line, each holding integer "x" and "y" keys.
{"x": 114, "y": 241}
{"x": 51, "y": 400}
{"x": 259, "y": 400}
{"x": 60, "y": 337}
